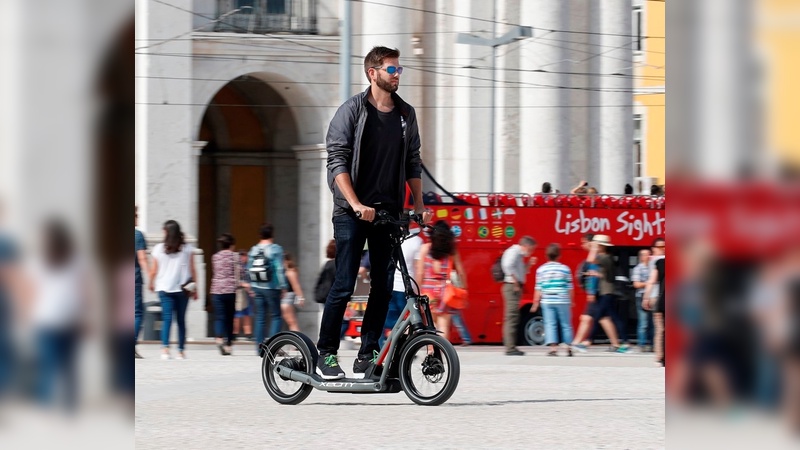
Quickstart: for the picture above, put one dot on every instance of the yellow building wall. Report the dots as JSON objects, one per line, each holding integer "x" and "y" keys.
{"x": 778, "y": 33}
{"x": 651, "y": 74}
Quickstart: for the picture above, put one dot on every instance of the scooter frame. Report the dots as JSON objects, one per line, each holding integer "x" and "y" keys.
{"x": 415, "y": 320}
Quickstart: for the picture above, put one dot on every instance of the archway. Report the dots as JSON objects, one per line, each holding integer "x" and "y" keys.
{"x": 248, "y": 171}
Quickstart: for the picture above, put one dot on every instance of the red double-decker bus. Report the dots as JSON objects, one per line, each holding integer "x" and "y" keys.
{"x": 487, "y": 224}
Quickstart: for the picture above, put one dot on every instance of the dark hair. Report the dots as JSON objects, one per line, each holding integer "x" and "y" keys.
{"x": 553, "y": 251}
{"x": 657, "y": 240}
{"x": 376, "y": 56}
{"x": 59, "y": 245}
{"x": 588, "y": 237}
{"x": 655, "y": 190}
{"x": 287, "y": 258}
{"x": 443, "y": 241}
{"x": 330, "y": 250}
{"x": 225, "y": 241}
{"x": 527, "y": 241}
{"x": 266, "y": 231}
{"x": 546, "y": 188}
{"x": 628, "y": 189}
{"x": 173, "y": 241}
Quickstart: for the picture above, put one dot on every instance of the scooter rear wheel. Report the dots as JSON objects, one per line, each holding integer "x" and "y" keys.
{"x": 429, "y": 369}
{"x": 287, "y": 350}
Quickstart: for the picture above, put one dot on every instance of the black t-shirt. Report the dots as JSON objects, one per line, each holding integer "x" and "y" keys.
{"x": 380, "y": 159}
{"x": 660, "y": 267}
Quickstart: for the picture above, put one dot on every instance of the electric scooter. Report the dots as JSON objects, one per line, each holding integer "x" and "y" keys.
{"x": 415, "y": 359}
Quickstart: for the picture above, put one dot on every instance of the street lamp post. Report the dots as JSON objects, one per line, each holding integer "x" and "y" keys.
{"x": 512, "y": 35}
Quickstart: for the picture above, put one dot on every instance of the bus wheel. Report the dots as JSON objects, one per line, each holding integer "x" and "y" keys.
{"x": 531, "y": 329}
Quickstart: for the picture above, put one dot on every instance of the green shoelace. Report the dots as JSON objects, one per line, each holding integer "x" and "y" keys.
{"x": 375, "y": 355}
{"x": 332, "y": 361}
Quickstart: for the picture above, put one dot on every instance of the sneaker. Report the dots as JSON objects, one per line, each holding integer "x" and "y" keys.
{"x": 136, "y": 355}
{"x": 515, "y": 352}
{"x": 166, "y": 356}
{"x": 328, "y": 367}
{"x": 621, "y": 349}
{"x": 181, "y": 356}
{"x": 579, "y": 347}
{"x": 360, "y": 366}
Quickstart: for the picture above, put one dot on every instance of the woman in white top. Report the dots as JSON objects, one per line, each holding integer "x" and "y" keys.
{"x": 171, "y": 270}
{"x": 58, "y": 315}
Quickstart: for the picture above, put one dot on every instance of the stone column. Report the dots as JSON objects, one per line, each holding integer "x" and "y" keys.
{"x": 315, "y": 206}
{"x": 616, "y": 100}
{"x": 543, "y": 145}
{"x": 166, "y": 171}
{"x": 507, "y": 100}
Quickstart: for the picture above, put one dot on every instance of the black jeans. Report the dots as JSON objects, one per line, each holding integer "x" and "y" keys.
{"x": 224, "y": 308}
{"x": 350, "y": 235}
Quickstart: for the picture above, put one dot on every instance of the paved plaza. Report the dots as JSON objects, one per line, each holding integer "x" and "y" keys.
{"x": 593, "y": 400}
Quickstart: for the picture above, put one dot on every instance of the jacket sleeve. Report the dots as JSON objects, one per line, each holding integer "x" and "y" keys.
{"x": 339, "y": 140}
{"x": 413, "y": 159}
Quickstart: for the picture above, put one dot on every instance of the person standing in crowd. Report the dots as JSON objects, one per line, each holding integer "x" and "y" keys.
{"x": 267, "y": 293}
{"x": 590, "y": 285}
{"x": 436, "y": 261}
{"x": 172, "y": 269}
{"x": 639, "y": 277}
{"x": 656, "y": 301}
{"x": 411, "y": 249}
{"x": 140, "y": 263}
{"x": 600, "y": 309}
{"x": 59, "y": 315}
{"x": 373, "y": 152}
{"x": 325, "y": 281}
{"x": 293, "y": 296}
{"x": 555, "y": 293}
{"x": 224, "y": 281}
{"x": 9, "y": 283}
{"x": 242, "y": 319}
{"x": 515, "y": 267}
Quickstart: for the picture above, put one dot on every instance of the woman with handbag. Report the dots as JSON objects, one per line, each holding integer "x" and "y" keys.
{"x": 436, "y": 260}
{"x": 171, "y": 273}
{"x": 224, "y": 281}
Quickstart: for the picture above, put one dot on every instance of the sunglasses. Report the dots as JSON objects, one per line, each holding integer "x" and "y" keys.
{"x": 660, "y": 246}
{"x": 391, "y": 70}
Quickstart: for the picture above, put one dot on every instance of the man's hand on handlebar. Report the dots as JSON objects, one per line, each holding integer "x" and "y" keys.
{"x": 364, "y": 212}
{"x": 427, "y": 215}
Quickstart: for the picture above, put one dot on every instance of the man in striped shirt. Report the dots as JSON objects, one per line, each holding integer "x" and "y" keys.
{"x": 554, "y": 291}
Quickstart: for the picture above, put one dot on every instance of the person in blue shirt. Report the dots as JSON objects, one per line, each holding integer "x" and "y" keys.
{"x": 140, "y": 247}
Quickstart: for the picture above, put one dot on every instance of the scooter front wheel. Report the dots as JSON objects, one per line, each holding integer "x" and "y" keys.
{"x": 292, "y": 351}
{"x": 429, "y": 369}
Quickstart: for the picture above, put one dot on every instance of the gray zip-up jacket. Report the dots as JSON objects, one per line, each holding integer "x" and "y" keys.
{"x": 344, "y": 146}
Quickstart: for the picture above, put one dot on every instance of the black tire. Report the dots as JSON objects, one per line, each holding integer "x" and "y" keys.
{"x": 440, "y": 367}
{"x": 292, "y": 350}
{"x": 531, "y": 329}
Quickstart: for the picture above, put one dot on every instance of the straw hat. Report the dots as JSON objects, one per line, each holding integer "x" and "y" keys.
{"x": 602, "y": 239}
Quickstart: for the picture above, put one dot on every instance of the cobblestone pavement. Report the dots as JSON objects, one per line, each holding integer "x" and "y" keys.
{"x": 593, "y": 400}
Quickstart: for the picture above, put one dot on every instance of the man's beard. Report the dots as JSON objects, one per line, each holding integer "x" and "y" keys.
{"x": 387, "y": 86}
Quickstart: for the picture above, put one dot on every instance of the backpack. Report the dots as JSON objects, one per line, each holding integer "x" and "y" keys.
{"x": 261, "y": 271}
{"x": 324, "y": 282}
{"x": 497, "y": 270}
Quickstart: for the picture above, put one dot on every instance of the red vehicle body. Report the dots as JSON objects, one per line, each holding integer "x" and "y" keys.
{"x": 486, "y": 225}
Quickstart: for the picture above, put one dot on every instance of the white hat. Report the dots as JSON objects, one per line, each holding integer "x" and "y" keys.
{"x": 602, "y": 239}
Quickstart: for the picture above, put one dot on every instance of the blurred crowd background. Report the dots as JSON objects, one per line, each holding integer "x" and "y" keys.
{"x": 66, "y": 191}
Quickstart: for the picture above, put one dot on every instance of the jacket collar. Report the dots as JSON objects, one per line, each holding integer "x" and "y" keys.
{"x": 395, "y": 98}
